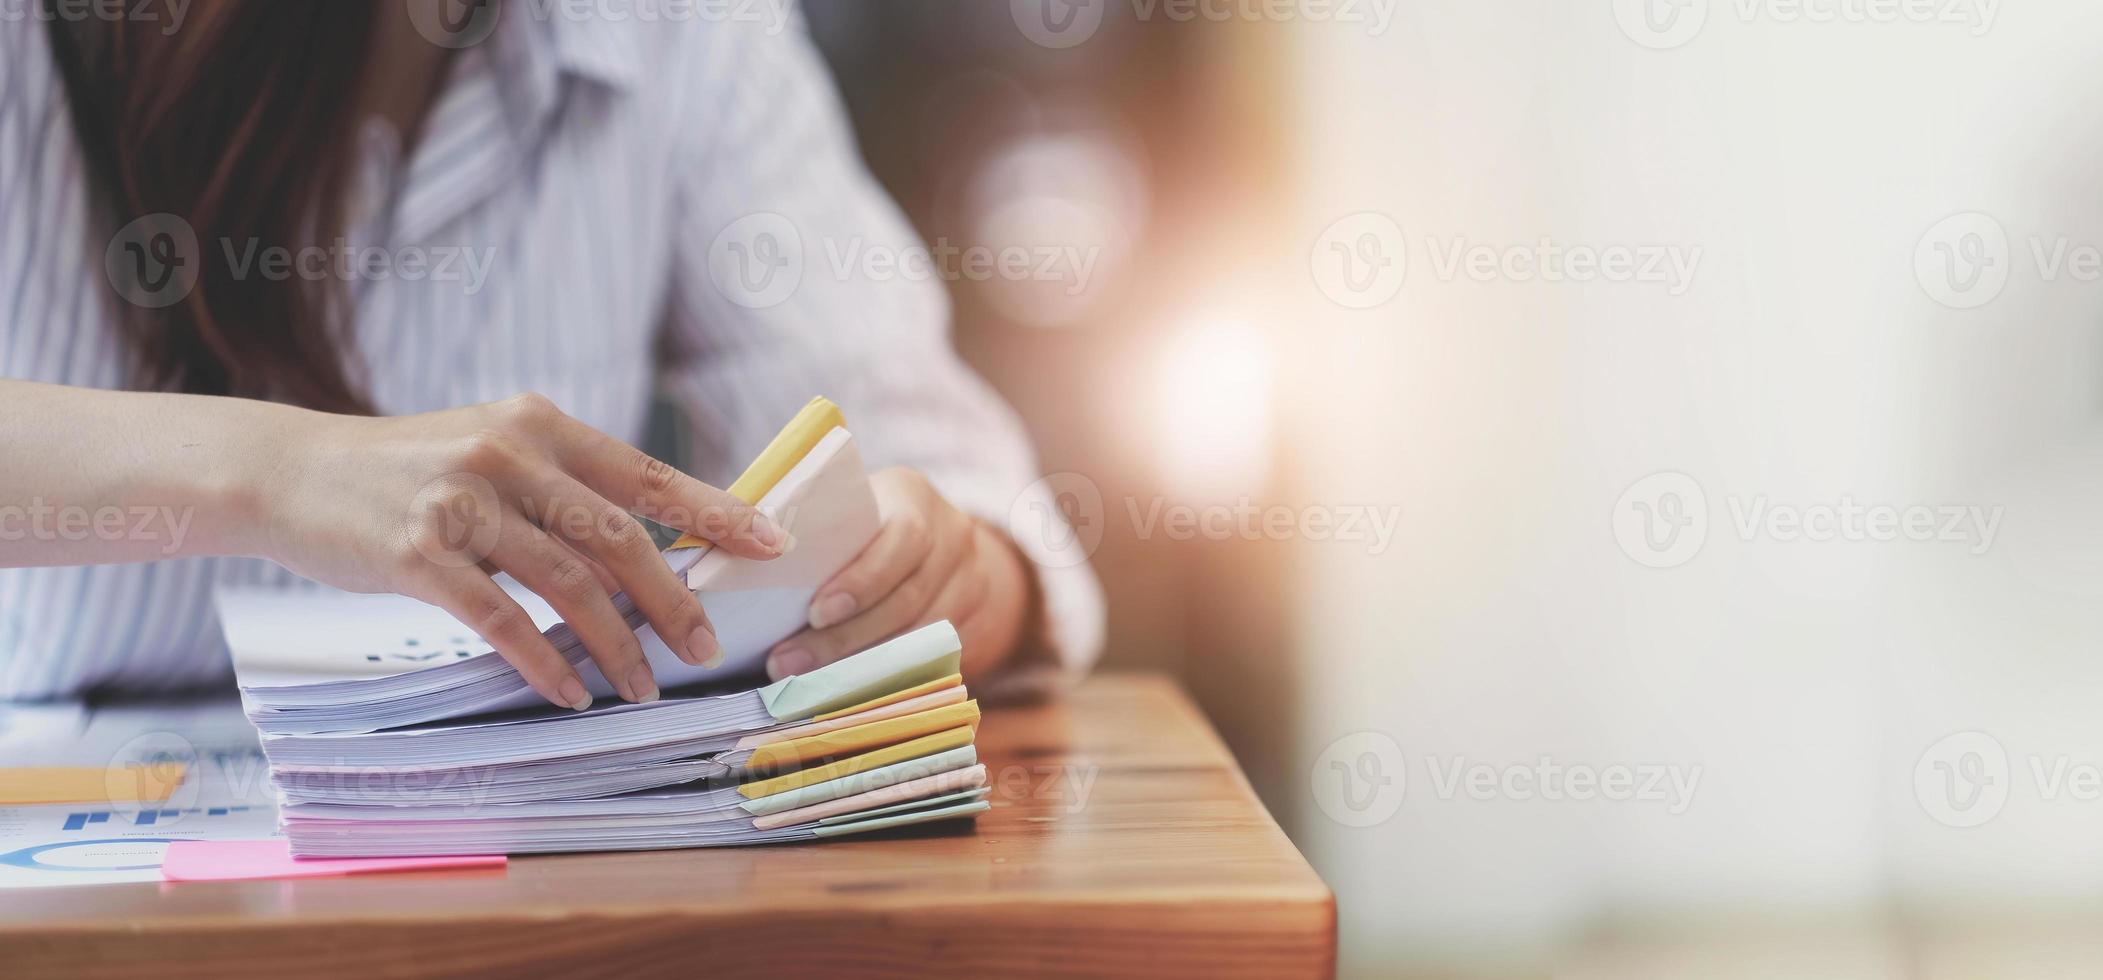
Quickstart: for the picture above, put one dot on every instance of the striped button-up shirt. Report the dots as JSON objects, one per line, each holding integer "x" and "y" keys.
{"x": 596, "y": 208}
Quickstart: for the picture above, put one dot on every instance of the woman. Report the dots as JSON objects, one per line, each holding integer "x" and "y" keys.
{"x": 247, "y": 216}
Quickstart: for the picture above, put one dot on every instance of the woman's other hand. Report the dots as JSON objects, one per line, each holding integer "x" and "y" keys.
{"x": 930, "y": 561}
{"x": 431, "y": 506}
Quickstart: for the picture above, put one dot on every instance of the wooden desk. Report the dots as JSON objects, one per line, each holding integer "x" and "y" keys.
{"x": 1123, "y": 840}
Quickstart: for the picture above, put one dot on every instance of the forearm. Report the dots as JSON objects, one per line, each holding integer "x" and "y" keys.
{"x": 99, "y": 477}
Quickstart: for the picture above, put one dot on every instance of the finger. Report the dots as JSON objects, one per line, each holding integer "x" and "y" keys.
{"x": 651, "y": 486}
{"x": 903, "y": 608}
{"x": 477, "y": 602}
{"x": 619, "y": 542}
{"x": 901, "y": 546}
{"x": 557, "y": 574}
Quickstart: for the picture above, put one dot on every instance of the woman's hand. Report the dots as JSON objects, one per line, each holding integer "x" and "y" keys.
{"x": 431, "y": 506}
{"x": 930, "y": 561}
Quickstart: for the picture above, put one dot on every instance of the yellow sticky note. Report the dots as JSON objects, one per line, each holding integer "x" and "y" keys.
{"x": 938, "y": 684}
{"x": 925, "y": 745}
{"x": 862, "y": 738}
{"x": 25, "y": 785}
{"x": 789, "y": 447}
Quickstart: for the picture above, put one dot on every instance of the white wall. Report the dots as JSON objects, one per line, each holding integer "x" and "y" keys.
{"x": 1805, "y": 363}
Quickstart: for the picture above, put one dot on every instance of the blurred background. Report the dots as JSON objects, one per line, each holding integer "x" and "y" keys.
{"x": 1623, "y": 476}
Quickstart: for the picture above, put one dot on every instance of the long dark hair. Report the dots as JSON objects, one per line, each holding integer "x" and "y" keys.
{"x": 242, "y": 124}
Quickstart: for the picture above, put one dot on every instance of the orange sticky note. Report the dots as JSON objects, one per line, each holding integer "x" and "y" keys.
{"x": 25, "y": 785}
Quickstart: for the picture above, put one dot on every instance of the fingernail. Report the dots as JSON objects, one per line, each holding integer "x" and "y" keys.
{"x": 574, "y": 694}
{"x": 642, "y": 685}
{"x": 789, "y": 661}
{"x": 769, "y": 534}
{"x": 834, "y": 608}
{"x": 701, "y": 645}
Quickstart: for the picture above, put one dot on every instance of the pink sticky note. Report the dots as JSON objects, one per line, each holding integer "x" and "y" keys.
{"x": 239, "y": 860}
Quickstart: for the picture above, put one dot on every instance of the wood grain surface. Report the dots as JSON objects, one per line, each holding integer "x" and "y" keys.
{"x": 1123, "y": 841}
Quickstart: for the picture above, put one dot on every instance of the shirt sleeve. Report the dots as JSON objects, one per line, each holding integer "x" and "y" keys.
{"x": 795, "y": 275}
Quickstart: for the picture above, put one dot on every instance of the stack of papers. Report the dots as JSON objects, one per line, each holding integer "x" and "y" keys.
{"x": 390, "y": 730}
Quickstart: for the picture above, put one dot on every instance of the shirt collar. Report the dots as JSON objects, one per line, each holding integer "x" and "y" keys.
{"x": 535, "y": 50}
{"x": 496, "y": 107}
